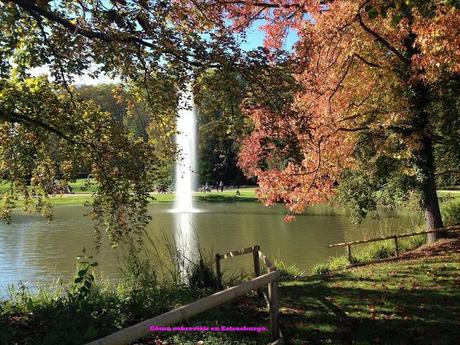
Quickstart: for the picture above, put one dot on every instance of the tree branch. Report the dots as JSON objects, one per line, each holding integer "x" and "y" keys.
{"x": 33, "y": 9}
{"x": 260, "y": 4}
{"x": 382, "y": 40}
{"x": 27, "y": 120}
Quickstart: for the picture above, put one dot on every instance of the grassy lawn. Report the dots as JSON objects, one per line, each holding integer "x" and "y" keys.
{"x": 229, "y": 195}
{"x": 412, "y": 301}
{"x": 82, "y": 193}
{"x": 449, "y": 195}
{"x": 415, "y": 300}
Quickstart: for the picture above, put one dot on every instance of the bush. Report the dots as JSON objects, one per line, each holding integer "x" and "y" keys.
{"x": 335, "y": 263}
{"x": 200, "y": 275}
{"x": 451, "y": 213}
{"x": 376, "y": 251}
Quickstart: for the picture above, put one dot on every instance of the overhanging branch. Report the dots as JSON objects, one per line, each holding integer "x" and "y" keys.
{"x": 383, "y": 41}
{"x": 33, "y": 9}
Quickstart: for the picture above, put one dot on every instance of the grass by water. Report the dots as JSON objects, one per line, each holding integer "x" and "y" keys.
{"x": 83, "y": 196}
{"x": 82, "y": 193}
{"x": 415, "y": 300}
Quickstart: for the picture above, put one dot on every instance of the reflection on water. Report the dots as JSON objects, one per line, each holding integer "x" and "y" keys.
{"x": 31, "y": 249}
{"x": 185, "y": 238}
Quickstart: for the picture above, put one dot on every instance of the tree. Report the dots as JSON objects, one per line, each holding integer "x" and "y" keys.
{"x": 46, "y": 135}
{"x": 369, "y": 117}
{"x": 105, "y": 96}
{"x": 48, "y": 130}
{"x": 218, "y": 96}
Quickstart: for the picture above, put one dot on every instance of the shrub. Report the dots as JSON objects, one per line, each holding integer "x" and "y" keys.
{"x": 83, "y": 283}
{"x": 200, "y": 275}
{"x": 368, "y": 252}
{"x": 376, "y": 251}
{"x": 337, "y": 263}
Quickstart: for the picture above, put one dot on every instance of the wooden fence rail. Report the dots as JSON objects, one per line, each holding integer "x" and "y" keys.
{"x": 272, "y": 288}
{"x": 142, "y": 329}
{"x": 394, "y": 237}
{"x": 270, "y": 279}
{"x": 256, "y": 253}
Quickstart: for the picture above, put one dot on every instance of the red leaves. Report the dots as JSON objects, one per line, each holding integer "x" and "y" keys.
{"x": 349, "y": 65}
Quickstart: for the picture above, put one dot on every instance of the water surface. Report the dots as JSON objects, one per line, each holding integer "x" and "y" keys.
{"x": 33, "y": 250}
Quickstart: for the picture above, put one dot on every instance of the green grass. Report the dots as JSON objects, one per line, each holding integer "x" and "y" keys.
{"x": 448, "y": 195}
{"x": 366, "y": 252}
{"x": 82, "y": 193}
{"x": 413, "y": 301}
{"x": 82, "y": 185}
{"x": 228, "y": 196}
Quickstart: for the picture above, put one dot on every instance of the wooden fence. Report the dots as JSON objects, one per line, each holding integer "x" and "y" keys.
{"x": 393, "y": 237}
{"x": 256, "y": 253}
{"x": 271, "y": 279}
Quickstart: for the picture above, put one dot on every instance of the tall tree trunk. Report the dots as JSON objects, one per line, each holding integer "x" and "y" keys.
{"x": 424, "y": 160}
{"x": 430, "y": 201}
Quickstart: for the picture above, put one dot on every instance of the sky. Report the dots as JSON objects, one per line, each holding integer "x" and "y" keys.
{"x": 255, "y": 39}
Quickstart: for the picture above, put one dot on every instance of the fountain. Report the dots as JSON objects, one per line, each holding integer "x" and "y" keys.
{"x": 186, "y": 163}
{"x": 185, "y": 178}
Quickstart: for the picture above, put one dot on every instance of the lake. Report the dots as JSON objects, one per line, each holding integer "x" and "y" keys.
{"x": 33, "y": 250}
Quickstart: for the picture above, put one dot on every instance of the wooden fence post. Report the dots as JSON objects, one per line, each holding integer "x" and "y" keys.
{"x": 396, "y": 246}
{"x": 218, "y": 274}
{"x": 255, "y": 255}
{"x": 274, "y": 310}
{"x": 350, "y": 259}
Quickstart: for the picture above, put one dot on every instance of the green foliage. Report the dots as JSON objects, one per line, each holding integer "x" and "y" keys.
{"x": 48, "y": 135}
{"x": 84, "y": 278}
{"x": 451, "y": 213}
{"x": 375, "y": 251}
{"x": 320, "y": 269}
{"x": 201, "y": 275}
{"x": 218, "y": 95}
{"x": 335, "y": 263}
{"x": 378, "y": 182}
{"x": 50, "y": 132}
{"x": 398, "y": 9}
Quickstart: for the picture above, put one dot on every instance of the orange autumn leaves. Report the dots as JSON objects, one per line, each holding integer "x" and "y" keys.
{"x": 356, "y": 71}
